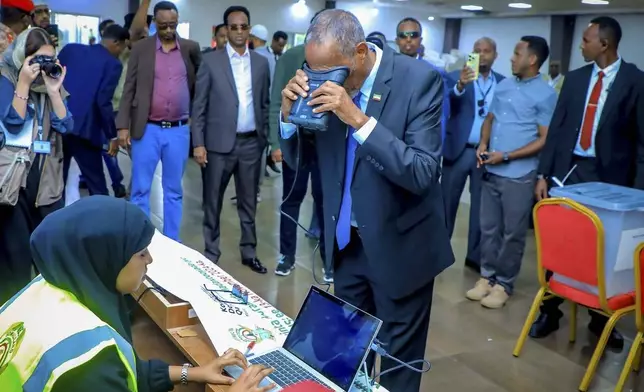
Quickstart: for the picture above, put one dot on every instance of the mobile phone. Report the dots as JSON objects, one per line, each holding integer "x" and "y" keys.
{"x": 484, "y": 156}
{"x": 52, "y": 30}
{"x": 473, "y": 60}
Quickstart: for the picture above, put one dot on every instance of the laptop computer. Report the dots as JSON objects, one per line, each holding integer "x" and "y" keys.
{"x": 328, "y": 343}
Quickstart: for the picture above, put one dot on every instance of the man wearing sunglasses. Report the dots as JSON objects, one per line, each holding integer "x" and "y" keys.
{"x": 154, "y": 113}
{"x": 230, "y": 131}
{"x": 409, "y": 36}
{"x": 470, "y": 99}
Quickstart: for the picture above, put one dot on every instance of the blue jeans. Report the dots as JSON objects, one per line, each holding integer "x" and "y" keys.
{"x": 170, "y": 146}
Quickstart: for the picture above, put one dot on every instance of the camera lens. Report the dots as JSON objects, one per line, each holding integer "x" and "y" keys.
{"x": 52, "y": 70}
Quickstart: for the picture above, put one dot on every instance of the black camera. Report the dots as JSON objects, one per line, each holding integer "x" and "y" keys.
{"x": 48, "y": 65}
{"x": 301, "y": 113}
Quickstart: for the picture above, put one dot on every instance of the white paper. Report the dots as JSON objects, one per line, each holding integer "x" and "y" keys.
{"x": 184, "y": 272}
{"x": 629, "y": 242}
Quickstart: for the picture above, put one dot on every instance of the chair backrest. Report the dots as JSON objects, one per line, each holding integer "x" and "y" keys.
{"x": 570, "y": 240}
{"x": 638, "y": 262}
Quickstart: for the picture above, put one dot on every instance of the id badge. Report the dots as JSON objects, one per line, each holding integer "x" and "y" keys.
{"x": 42, "y": 147}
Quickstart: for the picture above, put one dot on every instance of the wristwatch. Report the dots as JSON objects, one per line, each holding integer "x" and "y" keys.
{"x": 184, "y": 373}
{"x": 506, "y": 157}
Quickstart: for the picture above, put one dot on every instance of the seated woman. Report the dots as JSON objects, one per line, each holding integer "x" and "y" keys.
{"x": 34, "y": 114}
{"x": 69, "y": 329}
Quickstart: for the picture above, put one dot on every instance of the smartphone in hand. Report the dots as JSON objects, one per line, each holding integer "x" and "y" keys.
{"x": 473, "y": 60}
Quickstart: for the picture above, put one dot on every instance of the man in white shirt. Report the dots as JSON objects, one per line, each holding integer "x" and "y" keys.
{"x": 237, "y": 80}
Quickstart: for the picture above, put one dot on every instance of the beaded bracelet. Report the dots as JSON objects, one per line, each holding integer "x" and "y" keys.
{"x": 20, "y": 97}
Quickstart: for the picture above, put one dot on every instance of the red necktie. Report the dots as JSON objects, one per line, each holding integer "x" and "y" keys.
{"x": 586, "y": 139}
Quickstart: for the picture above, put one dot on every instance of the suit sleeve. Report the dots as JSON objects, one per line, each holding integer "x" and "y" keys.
{"x": 109, "y": 81}
{"x": 200, "y": 106}
{"x": 123, "y": 118}
{"x": 197, "y": 57}
{"x": 639, "y": 170}
{"x": 266, "y": 100}
{"x": 413, "y": 161}
{"x": 547, "y": 155}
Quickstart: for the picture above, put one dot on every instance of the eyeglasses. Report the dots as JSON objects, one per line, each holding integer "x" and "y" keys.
{"x": 481, "y": 105}
{"x": 409, "y": 34}
{"x": 237, "y": 292}
{"x": 242, "y": 27}
{"x": 165, "y": 26}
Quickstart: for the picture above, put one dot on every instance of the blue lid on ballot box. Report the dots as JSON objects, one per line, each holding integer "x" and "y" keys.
{"x": 602, "y": 195}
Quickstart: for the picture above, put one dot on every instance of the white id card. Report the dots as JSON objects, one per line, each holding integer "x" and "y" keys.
{"x": 42, "y": 147}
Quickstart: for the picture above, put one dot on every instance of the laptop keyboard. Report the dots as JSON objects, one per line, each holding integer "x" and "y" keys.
{"x": 287, "y": 372}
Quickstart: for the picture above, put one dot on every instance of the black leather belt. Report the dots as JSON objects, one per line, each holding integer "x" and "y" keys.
{"x": 470, "y": 145}
{"x": 246, "y": 135}
{"x": 169, "y": 124}
{"x": 579, "y": 158}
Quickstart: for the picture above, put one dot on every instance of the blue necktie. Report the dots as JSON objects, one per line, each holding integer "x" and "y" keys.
{"x": 343, "y": 228}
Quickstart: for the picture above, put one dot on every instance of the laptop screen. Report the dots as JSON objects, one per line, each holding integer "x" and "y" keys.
{"x": 332, "y": 336}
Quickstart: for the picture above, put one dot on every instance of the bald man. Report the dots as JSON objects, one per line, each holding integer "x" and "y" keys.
{"x": 470, "y": 99}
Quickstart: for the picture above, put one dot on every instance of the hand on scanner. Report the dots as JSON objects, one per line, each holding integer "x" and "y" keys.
{"x": 297, "y": 86}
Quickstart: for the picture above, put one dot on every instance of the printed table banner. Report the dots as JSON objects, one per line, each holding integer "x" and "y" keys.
{"x": 228, "y": 322}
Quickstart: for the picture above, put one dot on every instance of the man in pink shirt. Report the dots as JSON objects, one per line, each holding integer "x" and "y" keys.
{"x": 154, "y": 113}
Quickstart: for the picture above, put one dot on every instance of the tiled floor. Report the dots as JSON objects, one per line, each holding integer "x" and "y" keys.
{"x": 470, "y": 347}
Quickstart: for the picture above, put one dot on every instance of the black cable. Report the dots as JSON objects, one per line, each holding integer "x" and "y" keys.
{"x": 288, "y": 195}
{"x": 156, "y": 288}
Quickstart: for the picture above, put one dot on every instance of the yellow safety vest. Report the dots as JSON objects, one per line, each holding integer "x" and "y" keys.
{"x": 45, "y": 332}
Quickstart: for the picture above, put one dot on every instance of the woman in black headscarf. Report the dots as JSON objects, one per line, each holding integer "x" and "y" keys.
{"x": 90, "y": 255}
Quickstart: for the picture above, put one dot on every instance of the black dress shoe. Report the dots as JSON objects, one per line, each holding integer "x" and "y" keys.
{"x": 474, "y": 266}
{"x": 255, "y": 265}
{"x": 545, "y": 325}
{"x": 615, "y": 340}
{"x": 119, "y": 191}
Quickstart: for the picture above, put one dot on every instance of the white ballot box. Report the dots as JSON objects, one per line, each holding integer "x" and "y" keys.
{"x": 621, "y": 211}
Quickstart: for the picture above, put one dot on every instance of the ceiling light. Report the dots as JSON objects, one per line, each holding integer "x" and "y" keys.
{"x": 471, "y": 8}
{"x": 430, "y": 18}
{"x": 524, "y": 6}
{"x": 596, "y": 2}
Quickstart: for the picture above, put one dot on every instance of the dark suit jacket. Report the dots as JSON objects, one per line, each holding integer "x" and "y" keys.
{"x": 397, "y": 199}
{"x": 619, "y": 141}
{"x": 139, "y": 82}
{"x": 461, "y": 117}
{"x": 216, "y": 104}
{"x": 92, "y": 76}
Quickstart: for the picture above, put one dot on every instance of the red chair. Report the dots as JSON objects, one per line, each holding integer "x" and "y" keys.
{"x": 635, "y": 355}
{"x": 570, "y": 243}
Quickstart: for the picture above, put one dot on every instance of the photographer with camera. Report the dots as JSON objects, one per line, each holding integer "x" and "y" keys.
{"x": 34, "y": 115}
{"x": 383, "y": 206}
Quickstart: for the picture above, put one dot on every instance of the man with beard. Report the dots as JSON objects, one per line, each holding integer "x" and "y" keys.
{"x": 232, "y": 81}
{"x": 154, "y": 113}
{"x": 470, "y": 100}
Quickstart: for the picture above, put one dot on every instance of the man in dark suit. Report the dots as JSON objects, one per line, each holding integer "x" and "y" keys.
{"x": 155, "y": 110}
{"x": 470, "y": 100}
{"x": 93, "y": 74}
{"x": 598, "y": 128}
{"x": 230, "y": 131}
{"x": 380, "y": 163}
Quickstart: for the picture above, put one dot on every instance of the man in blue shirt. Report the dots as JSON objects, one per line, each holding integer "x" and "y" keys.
{"x": 513, "y": 134}
{"x": 409, "y": 36}
{"x": 93, "y": 72}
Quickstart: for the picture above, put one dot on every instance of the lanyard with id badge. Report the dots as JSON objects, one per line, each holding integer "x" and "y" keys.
{"x": 41, "y": 146}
